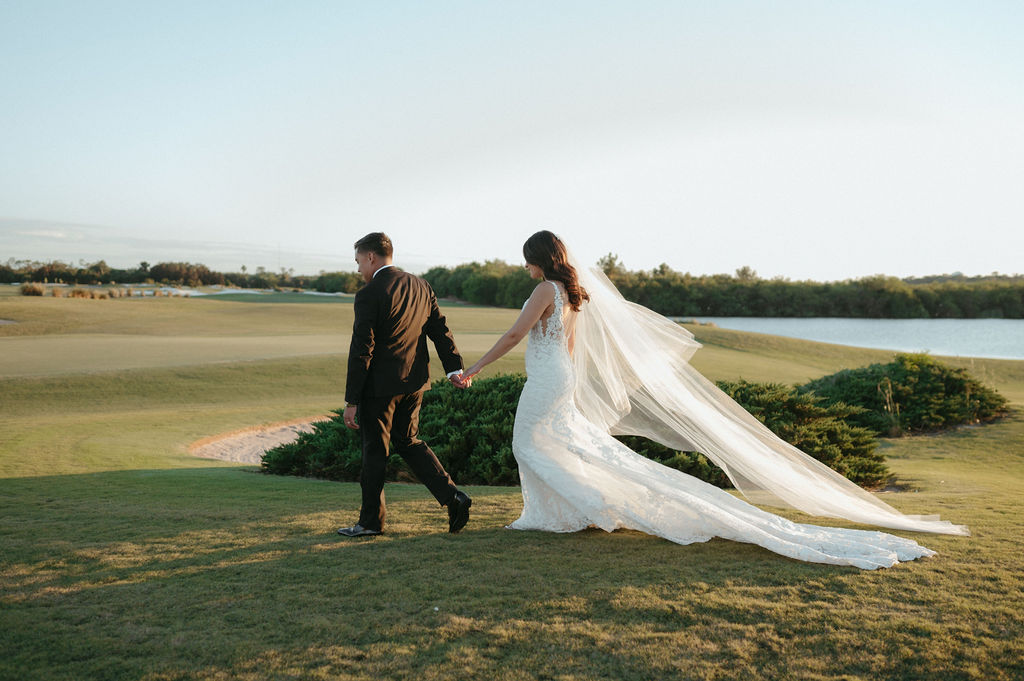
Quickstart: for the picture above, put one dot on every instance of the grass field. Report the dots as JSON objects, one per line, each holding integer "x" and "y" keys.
{"x": 121, "y": 557}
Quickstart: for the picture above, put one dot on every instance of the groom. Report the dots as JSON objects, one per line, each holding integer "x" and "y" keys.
{"x": 395, "y": 313}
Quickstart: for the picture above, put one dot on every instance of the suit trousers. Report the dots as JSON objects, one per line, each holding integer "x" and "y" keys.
{"x": 394, "y": 421}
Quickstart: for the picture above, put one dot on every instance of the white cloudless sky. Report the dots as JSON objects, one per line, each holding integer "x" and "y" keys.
{"x": 810, "y": 140}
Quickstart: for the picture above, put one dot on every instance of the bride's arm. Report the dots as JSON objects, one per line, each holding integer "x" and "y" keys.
{"x": 541, "y": 298}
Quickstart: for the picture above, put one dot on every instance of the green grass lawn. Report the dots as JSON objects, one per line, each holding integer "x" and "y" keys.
{"x": 280, "y": 297}
{"x": 121, "y": 557}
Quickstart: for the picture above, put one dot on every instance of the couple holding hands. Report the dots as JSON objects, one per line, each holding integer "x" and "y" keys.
{"x": 597, "y": 365}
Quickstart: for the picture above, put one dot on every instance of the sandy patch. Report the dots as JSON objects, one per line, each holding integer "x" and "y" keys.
{"x": 249, "y": 444}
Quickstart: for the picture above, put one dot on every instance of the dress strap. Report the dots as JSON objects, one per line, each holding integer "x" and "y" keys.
{"x": 556, "y": 314}
{"x": 558, "y": 292}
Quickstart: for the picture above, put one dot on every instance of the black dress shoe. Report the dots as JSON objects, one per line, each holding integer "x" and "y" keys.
{"x": 458, "y": 511}
{"x": 358, "y": 530}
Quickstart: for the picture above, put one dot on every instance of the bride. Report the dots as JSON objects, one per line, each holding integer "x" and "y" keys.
{"x": 598, "y": 365}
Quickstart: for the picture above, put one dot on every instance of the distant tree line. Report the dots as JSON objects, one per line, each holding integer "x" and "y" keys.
{"x": 744, "y": 294}
{"x": 672, "y": 293}
{"x": 173, "y": 274}
{"x": 492, "y": 283}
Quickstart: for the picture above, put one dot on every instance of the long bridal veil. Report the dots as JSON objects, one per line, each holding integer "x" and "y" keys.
{"x": 633, "y": 377}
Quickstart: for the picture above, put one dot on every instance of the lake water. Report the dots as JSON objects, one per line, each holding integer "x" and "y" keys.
{"x": 999, "y": 338}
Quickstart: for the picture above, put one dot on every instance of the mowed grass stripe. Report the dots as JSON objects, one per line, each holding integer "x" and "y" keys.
{"x": 207, "y": 316}
{"x": 55, "y": 355}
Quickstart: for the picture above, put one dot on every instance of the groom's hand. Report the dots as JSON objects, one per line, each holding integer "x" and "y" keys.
{"x": 460, "y": 381}
{"x": 350, "y": 417}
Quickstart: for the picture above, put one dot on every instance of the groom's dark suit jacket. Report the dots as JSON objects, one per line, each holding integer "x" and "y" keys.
{"x": 394, "y": 315}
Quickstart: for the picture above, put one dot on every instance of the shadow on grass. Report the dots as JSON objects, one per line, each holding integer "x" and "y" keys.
{"x": 224, "y": 573}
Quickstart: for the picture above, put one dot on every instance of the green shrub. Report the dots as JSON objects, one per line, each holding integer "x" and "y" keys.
{"x": 820, "y": 430}
{"x": 913, "y": 393}
{"x": 691, "y": 463}
{"x": 824, "y": 430}
{"x": 330, "y": 451}
{"x": 471, "y": 433}
{"x": 471, "y": 430}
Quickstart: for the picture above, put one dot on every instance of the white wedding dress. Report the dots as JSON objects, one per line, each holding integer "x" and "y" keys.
{"x": 575, "y": 475}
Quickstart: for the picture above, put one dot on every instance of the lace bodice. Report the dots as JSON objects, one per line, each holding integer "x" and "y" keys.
{"x": 547, "y": 351}
{"x": 552, "y": 328}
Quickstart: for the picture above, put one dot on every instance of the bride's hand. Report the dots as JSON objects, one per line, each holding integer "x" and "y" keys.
{"x": 469, "y": 373}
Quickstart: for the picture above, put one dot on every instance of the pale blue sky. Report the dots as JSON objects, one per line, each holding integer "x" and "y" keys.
{"x": 819, "y": 140}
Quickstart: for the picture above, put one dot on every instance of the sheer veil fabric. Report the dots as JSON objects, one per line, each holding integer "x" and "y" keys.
{"x": 633, "y": 377}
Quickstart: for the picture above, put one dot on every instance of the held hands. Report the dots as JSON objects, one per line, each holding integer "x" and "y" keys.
{"x": 465, "y": 379}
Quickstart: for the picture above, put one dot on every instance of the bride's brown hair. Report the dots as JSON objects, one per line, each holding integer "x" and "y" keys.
{"x": 546, "y": 251}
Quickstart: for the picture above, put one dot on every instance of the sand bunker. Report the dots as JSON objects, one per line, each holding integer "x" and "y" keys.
{"x": 248, "y": 445}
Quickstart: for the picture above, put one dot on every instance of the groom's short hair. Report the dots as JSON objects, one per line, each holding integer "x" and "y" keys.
{"x": 375, "y": 242}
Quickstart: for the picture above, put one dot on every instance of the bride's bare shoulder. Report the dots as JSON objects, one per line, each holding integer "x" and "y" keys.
{"x": 543, "y": 291}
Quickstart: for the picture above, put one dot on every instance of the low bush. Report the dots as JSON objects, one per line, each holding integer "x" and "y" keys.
{"x": 913, "y": 393}
{"x": 821, "y": 430}
{"x": 32, "y": 289}
{"x": 691, "y": 463}
{"x": 471, "y": 430}
{"x": 330, "y": 451}
{"x": 471, "y": 433}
